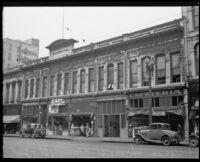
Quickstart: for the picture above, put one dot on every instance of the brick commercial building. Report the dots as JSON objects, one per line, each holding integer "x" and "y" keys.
{"x": 106, "y": 83}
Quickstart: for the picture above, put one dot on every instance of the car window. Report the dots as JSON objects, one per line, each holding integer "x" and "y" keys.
{"x": 167, "y": 127}
{"x": 159, "y": 126}
{"x": 153, "y": 126}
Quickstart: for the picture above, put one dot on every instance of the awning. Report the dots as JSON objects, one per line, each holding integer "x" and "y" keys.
{"x": 11, "y": 118}
{"x": 146, "y": 112}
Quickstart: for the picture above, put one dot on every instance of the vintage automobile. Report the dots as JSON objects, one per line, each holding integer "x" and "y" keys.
{"x": 33, "y": 130}
{"x": 157, "y": 133}
{"x": 194, "y": 139}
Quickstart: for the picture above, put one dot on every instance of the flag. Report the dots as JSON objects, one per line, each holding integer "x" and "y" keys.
{"x": 67, "y": 28}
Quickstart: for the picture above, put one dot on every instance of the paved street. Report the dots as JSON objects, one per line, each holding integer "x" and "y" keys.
{"x": 14, "y": 147}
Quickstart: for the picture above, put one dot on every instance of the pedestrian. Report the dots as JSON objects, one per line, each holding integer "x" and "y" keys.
{"x": 179, "y": 130}
{"x": 87, "y": 130}
{"x": 82, "y": 130}
{"x": 72, "y": 129}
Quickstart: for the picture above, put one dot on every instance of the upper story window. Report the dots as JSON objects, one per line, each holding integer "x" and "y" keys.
{"x": 110, "y": 77}
{"x": 66, "y": 83}
{"x": 155, "y": 102}
{"x": 31, "y": 88}
{"x": 133, "y": 72}
{"x": 74, "y": 87}
{"x": 160, "y": 69}
{"x": 7, "y": 92}
{"x": 52, "y": 85}
{"x": 196, "y": 50}
{"x": 136, "y": 103}
{"x": 37, "y": 87}
{"x": 177, "y": 100}
{"x": 145, "y": 77}
{"x": 26, "y": 89}
{"x": 59, "y": 83}
{"x": 196, "y": 16}
{"x": 44, "y": 86}
{"x": 101, "y": 78}
{"x": 175, "y": 67}
{"x": 120, "y": 75}
{"x": 91, "y": 79}
{"x": 82, "y": 81}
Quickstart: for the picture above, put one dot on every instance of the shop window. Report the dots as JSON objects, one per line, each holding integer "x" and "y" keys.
{"x": 91, "y": 79}
{"x": 177, "y": 100}
{"x": 175, "y": 67}
{"x": 44, "y": 85}
{"x": 120, "y": 75}
{"x": 160, "y": 69}
{"x": 123, "y": 121}
{"x": 196, "y": 50}
{"x": 31, "y": 88}
{"x": 155, "y": 102}
{"x": 59, "y": 83}
{"x": 62, "y": 109}
{"x": 196, "y": 16}
{"x": 82, "y": 81}
{"x": 110, "y": 76}
{"x": 133, "y": 73}
{"x": 74, "y": 88}
{"x": 138, "y": 103}
{"x": 145, "y": 77}
{"x": 101, "y": 78}
{"x": 100, "y": 121}
{"x": 26, "y": 88}
{"x": 66, "y": 84}
{"x": 52, "y": 85}
{"x": 37, "y": 87}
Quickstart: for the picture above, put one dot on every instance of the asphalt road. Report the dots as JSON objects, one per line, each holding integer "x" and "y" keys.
{"x": 14, "y": 147}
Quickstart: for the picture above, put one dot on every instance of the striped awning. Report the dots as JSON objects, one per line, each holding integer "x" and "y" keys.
{"x": 11, "y": 118}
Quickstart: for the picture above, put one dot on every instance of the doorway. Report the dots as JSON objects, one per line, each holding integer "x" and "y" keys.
{"x": 111, "y": 126}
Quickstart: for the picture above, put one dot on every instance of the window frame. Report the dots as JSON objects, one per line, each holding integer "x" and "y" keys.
{"x": 91, "y": 87}
{"x": 110, "y": 76}
{"x": 101, "y": 78}
{"x": 175, "y": 68}
{"x": 158, "y": 79}
{"x": 120, "y": 75}
{"x": 82, "y": 80}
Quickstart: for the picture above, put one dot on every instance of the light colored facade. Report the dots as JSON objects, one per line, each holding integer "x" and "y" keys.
{"x": 191, "y": 49}
{"x": 16, "y": 52}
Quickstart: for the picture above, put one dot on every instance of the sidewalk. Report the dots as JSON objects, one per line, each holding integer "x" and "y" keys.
{"x": 90, "y": 139}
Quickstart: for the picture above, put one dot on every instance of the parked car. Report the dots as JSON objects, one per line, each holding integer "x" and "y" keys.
{"x": 157, "y": 133}
{"x": 33, "y": 130}
{"x": 194, "y": 139}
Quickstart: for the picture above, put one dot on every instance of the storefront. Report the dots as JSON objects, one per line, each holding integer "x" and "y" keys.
{"x": 11, "y": 124}
{"x": 57, "y": 118}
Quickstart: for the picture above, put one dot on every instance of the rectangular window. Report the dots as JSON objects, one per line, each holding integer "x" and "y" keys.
{"x": 138, "y": 103}
{"x": 175, "y": 66}
{"x": 59, "y": 83}
{"x": 177, "y": 100}
{"x": 44, "y": 85}
{"x": 31, "y": 88}
{"x": 37, "y": 87}
{"x": 160, "y": 69}
{"x": 52, "y": 85}
{"x": 91, "y": 79}
{"x": 145, "y": 76}
{"x": 82, "y": 81}
{"x": 74, "y": 88}
{"x": 155, "y": 102}
{"x": 26, "y": 89}
{"x": 13, "y": 92}
{"x": 120, "y": 75}
{"x": 19, "y": 91}
{"x": 66, "y": 84}
{"x": 101, "y": 78}
{"x": 196, "y": 16}
{"x": 133, "y": 73}
{"x": 123, "y": 121}
{"x": 110, "y": 77}
{"x": 100, "y": 121}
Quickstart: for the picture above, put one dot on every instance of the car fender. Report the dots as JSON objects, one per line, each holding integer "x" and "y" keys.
{"x": 142, "y": 136}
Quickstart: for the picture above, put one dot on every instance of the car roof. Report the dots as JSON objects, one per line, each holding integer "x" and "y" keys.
{"x": 159, "y": 124}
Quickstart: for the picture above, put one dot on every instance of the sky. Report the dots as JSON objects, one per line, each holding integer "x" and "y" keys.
{"x": 92, "y": 24}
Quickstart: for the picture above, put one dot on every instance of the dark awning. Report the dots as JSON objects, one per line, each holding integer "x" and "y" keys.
{"x": 146, "y": 112}
{"x": 11, "y": 119}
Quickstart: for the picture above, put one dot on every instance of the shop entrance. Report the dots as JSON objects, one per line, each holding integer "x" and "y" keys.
{"x": 111, "y": 126}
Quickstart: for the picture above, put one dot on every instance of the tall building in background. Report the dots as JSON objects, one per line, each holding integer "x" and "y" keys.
{"x": 16, "y": 52}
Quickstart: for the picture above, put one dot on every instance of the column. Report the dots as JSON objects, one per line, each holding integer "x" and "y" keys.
{"x": 4, "y": 92}
{"x": 16, "y": 90}
{"x": 115, "y": 84}
{"x": 105, "y": 77}
{"x": 62, "y": 83}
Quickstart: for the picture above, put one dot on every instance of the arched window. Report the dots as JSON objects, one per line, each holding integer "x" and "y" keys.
{"x": 196, "y": 51}
{"x": 160, "y": 69}
{"x": 145, "y": 77}
{"x": 110, "y": 76}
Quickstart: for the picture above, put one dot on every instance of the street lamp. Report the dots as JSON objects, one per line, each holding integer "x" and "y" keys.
{"x": 149, "y": 69}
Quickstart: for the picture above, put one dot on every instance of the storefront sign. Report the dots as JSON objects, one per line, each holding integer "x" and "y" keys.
{"x": 53, "y": 109}
{"x": 58, "y": 101}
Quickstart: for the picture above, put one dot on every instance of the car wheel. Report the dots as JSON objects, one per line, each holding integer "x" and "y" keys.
{"x": 177, "y": 142}
{"x": 166, "y": 141}
{"x": 194, "y": 142}
{"x": 138, "y": 140}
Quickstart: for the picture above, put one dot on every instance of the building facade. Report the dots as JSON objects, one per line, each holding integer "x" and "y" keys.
{"x": 106, "y": 83}
{"x": 16, "y": 52}
{"x": 191, "y": 48}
